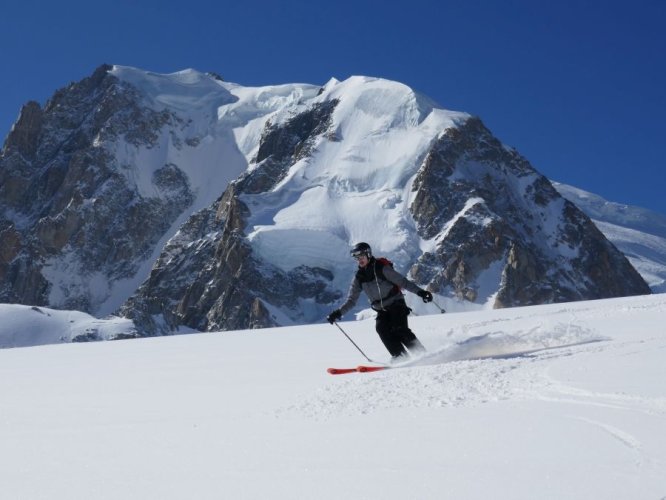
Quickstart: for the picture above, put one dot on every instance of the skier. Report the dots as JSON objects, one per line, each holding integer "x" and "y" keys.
{"x": 382, "y": 285}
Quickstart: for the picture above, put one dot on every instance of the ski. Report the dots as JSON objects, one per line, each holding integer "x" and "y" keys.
{"x": 340, "y": 371}
{"x": 365, "y": 369}
{"x": 358, "y": 369}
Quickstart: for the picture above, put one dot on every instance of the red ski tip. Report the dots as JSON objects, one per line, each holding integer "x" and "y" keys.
{"x": 358, "y": 369}
{"x": 340, "y": 371}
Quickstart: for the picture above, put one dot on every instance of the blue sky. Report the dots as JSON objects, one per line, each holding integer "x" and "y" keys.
{"x": 577, "y": 87}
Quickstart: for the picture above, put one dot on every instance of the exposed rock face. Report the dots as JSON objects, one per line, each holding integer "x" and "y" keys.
{"x": 207, "y": 277}
{"x": 638, "y": 233}
{"x": 93, "y": 186}
{"x": 24, "y": 136}
{"x": 490, "y": 210}
{"x": 68, "y": 206}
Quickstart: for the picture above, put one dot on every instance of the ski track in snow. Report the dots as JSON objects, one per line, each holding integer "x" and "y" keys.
{"x": 633, "y": 445}
{"x": 557, "y": 401}
{"x": 540, "y": 375}
{"x": 562, "y": 393}
{"x": 450, "y": 383}
{"x": 505, "y": 376}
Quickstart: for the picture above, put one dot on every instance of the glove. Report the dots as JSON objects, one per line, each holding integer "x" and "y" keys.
{"x": 425, "y": 295}
{"x": 334, "y": 316}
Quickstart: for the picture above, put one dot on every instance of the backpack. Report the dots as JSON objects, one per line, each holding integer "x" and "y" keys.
{"x": 386, "y": 262}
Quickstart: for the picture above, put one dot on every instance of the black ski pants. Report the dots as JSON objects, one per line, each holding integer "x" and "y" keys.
{"x": 392, "y": 327}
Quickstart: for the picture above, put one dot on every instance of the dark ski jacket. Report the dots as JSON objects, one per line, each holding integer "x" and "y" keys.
{"x": 381, "y": 283}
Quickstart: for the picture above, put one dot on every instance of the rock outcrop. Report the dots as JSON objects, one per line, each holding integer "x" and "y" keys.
{"x": 123, "y": 178}
{"x": 69, "y": 207}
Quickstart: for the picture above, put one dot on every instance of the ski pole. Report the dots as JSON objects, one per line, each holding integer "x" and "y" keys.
{"x": 350, "y": 340}
{"x": 441, "y": 309}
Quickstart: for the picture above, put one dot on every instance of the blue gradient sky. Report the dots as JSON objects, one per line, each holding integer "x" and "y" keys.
{"x": 578, "y": 87}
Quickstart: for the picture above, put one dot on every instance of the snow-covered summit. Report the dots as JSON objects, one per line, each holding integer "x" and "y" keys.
{"x": 192, "y": 201}
{"x": 370, "y": 159}
{"x": 187, "y": 91}
{"x": 355, "y": 182}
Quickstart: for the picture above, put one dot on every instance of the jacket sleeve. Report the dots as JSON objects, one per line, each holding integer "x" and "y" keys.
{"x": 352, "y": 296}
{"x": 398, "y": 279}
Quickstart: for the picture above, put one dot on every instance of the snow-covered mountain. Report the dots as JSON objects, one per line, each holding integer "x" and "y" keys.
{"x": 93, "y": 185}
{"x": 187, "y": 201}
{"x": 255, "y": 416}
{"x": 637, "y": 232}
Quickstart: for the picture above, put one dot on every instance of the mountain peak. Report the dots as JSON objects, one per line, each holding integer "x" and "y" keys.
{"x": 220, "y": 206}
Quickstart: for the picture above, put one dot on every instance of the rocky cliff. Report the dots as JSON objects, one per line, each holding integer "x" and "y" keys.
{"x": 68, "y": 210}
{"x": 491, "y": 212}
{"x": 195, "y": 202}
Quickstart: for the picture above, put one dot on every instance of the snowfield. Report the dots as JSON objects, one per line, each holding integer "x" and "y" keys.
{"x": 549, "y": 402}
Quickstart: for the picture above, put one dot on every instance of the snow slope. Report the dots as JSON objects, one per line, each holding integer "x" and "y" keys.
{"x": 27, "y": 326}
{"x": 637, "y": 232}
{"x": 219, "y": 128}
{"x": 550, "y": 402}
{"x": 349, "y": 190}
{"x": 352, "y": 180}
{"x": 355, "y": 187}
